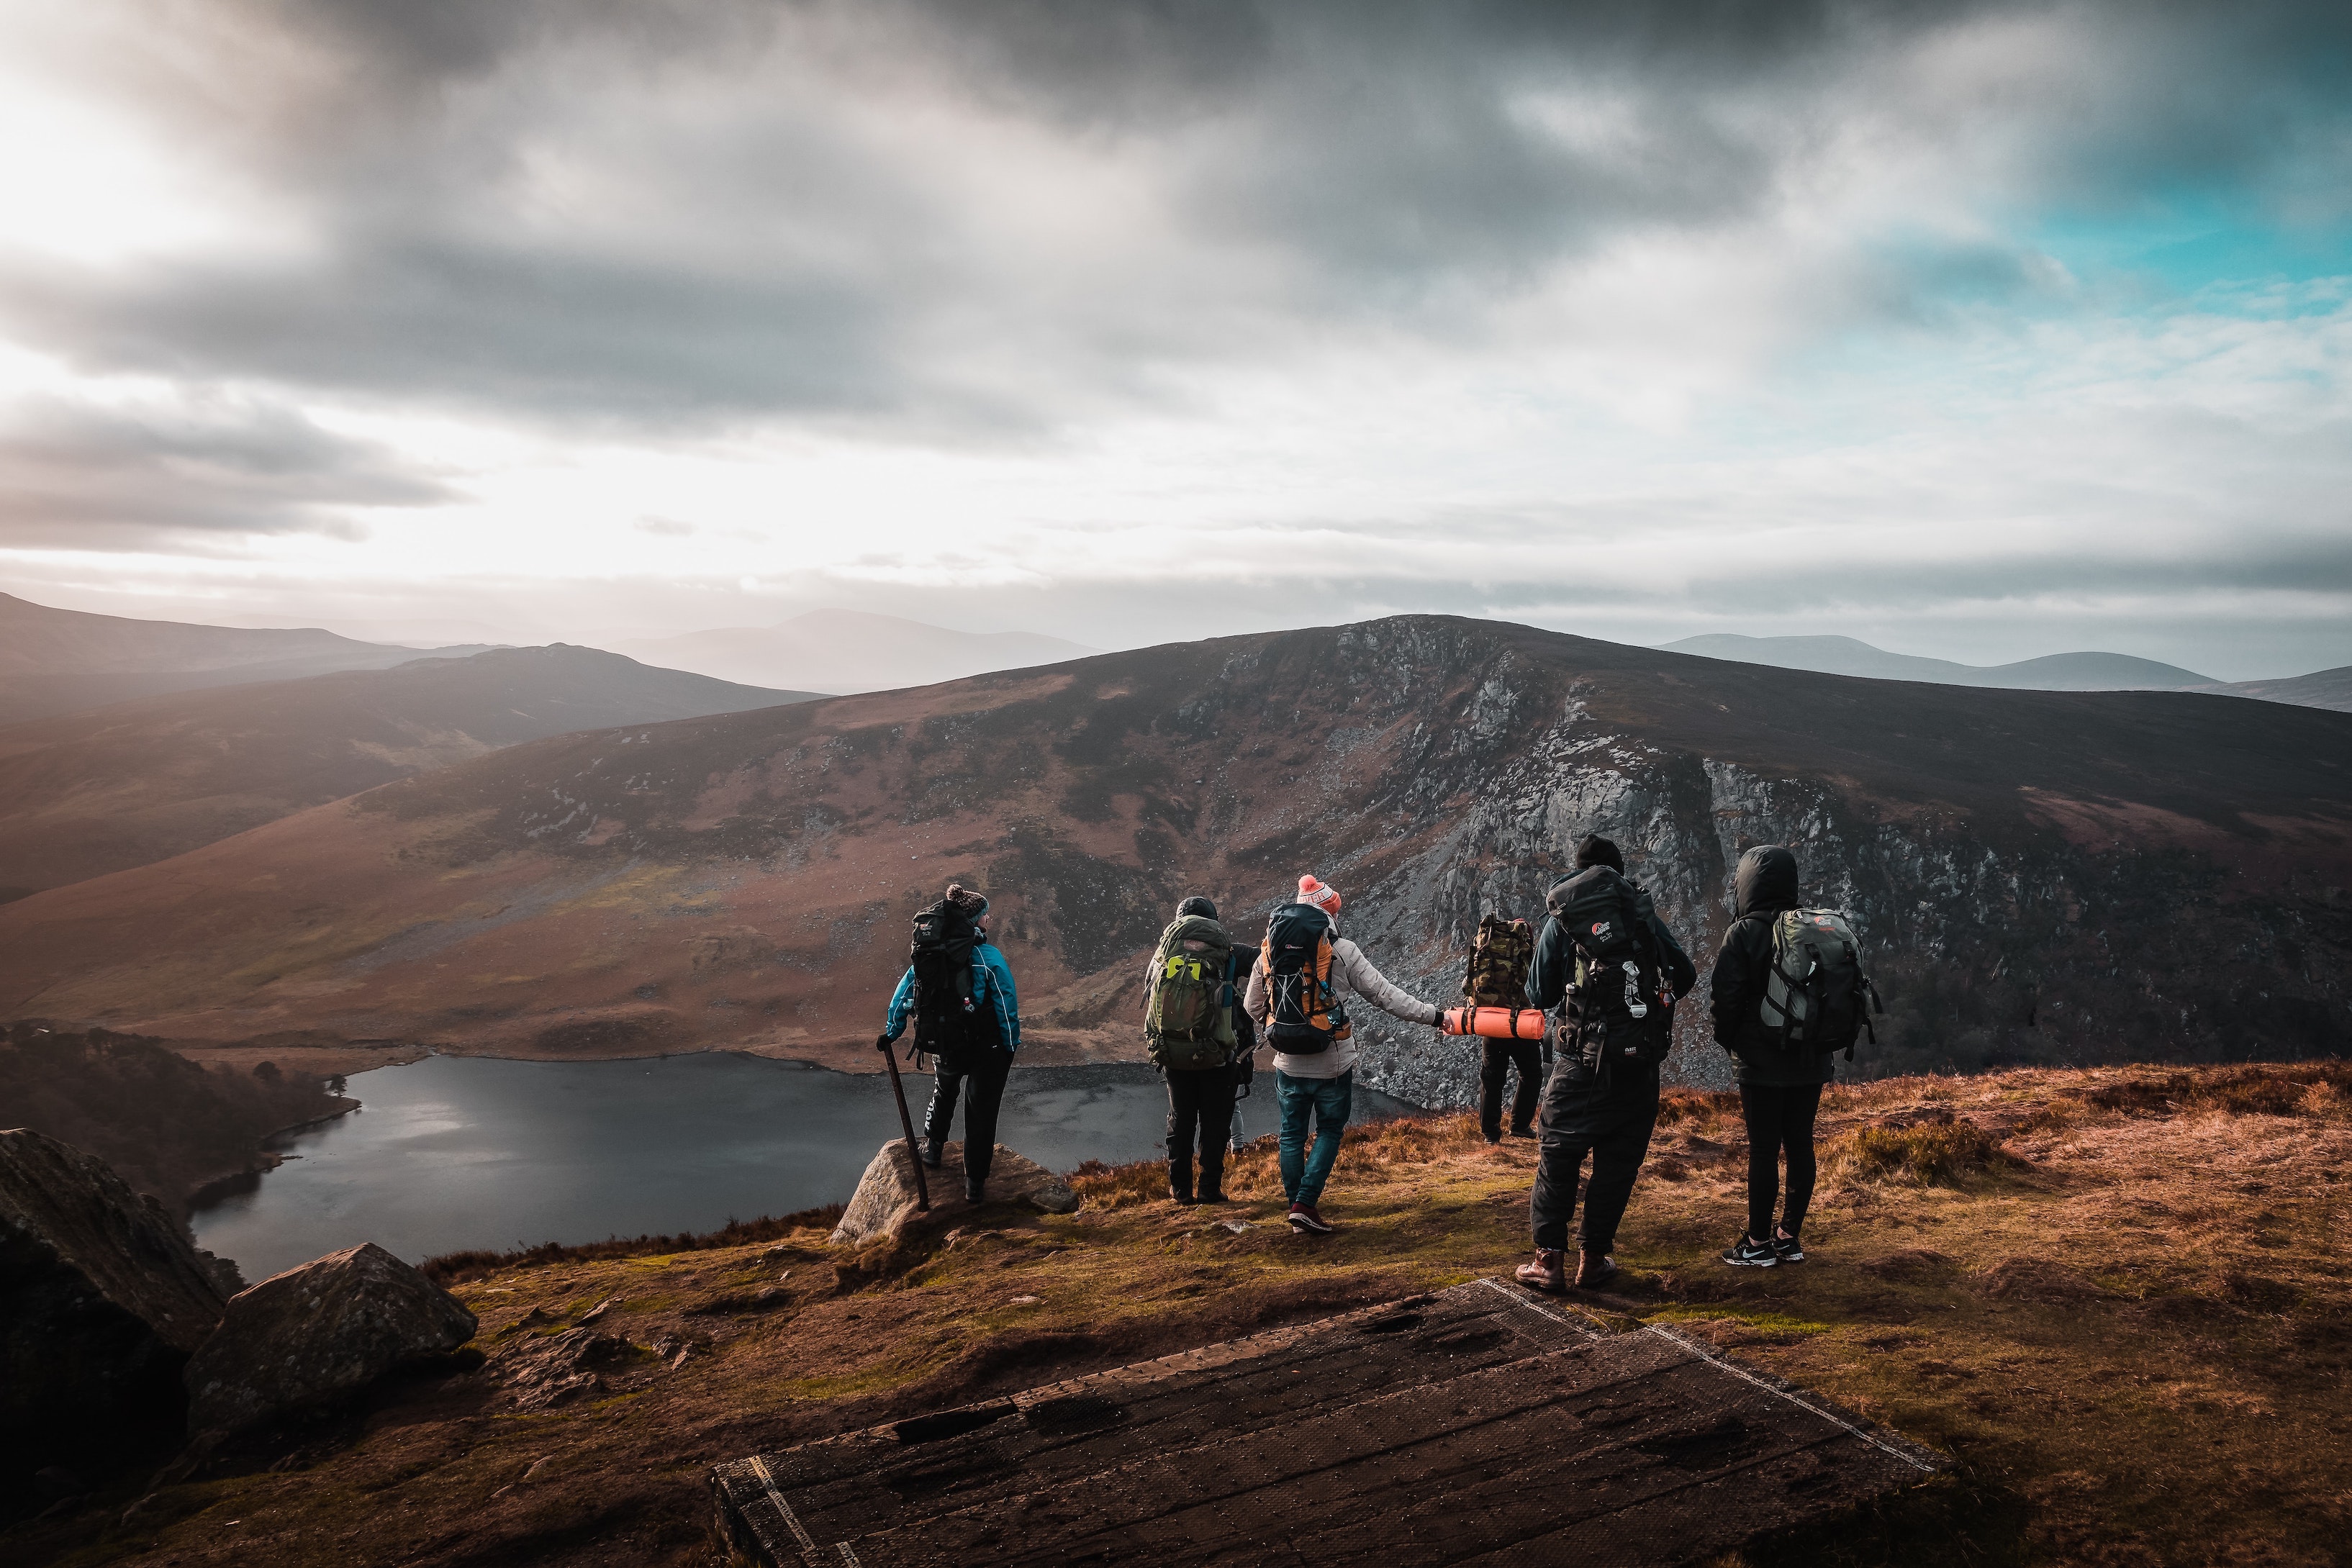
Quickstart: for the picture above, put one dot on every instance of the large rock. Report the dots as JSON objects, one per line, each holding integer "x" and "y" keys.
{"x": 102, "y": 1298}
{"x": 884, "y": 1204}
{"x": 317, "y": 1332}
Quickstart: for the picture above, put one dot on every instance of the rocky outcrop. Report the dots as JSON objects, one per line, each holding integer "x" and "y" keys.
{"x": 102, "y": 1299}
{"x": 884, "y": 1204}
{"x": 317, "y": 1334}
{"x": 541, "y": 1370}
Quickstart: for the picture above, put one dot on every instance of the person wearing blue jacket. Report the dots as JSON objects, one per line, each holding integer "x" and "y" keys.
{"x": 980, "y": 1068}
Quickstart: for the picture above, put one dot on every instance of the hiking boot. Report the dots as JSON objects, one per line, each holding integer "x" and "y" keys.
{"x": 1787, "y": 1247}
{"x": 1307, "y": 1222}
{"x": 1493, "y": 1137}
{"x": 1179, "y": 1196}
{"x": 933, "y": 1149}
{"x": 975, "y": 1189}
{"x": 1523, "y": 1132}
{"x": 1594, "y": 1269}
{"x": 1746, "y": 1254}
{"x": 1547, "y": 1273}
{"x": 1212, "y": 1194}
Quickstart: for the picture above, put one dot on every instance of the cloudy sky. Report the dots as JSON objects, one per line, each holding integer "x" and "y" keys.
{"x": 1977, "y": 331}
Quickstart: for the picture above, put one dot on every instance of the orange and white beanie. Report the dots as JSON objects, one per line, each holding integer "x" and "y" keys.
{"x": 1322, "y": 895}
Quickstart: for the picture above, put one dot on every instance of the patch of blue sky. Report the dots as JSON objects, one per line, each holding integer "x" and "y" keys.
{"x": 2204, "y": 248}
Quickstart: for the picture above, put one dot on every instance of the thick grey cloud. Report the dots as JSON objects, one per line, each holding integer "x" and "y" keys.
{"x": 81, "y": 476}
{"x": 699, "y": 211}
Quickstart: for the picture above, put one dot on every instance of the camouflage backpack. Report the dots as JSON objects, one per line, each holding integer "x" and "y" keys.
{"x": 1499, "y": 956}
{"x": 1188, "y": 1014}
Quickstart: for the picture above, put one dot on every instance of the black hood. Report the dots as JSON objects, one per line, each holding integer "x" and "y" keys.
{"x": 1767, "y": 881}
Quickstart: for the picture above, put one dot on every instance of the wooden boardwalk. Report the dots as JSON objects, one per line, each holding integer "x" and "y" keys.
{"x": 1479, "y": 1425}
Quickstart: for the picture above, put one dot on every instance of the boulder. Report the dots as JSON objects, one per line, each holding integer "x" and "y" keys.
{"x": 318, "y": 1333}
{"x": 884, "y": 1204}
{"x": 102, "y": 1298}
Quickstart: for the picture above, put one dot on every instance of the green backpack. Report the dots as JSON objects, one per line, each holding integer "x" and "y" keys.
{"x": 1188, "y": 1014}
{"x": 1816, "y": 998}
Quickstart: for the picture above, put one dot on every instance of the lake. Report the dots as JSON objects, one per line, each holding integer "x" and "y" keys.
{"x": 454, "y": 1153}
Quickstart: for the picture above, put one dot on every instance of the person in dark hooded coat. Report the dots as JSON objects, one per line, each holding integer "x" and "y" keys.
{"x": 1607, "y": 1113}
{"x": 1779, "y": 1090}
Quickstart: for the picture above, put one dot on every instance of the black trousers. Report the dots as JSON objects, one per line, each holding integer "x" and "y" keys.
{"x": 983, "y": 1072}
{"x": 1200, "y": 1107}
{"x": 1780, "y": 1118}
{"x": 1500, "y": 1057}
{"x": 1607, "y": 1115}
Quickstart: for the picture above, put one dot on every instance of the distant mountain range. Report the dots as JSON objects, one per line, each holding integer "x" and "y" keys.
{"x": 2053, "y": 673}
{"x": 2041, "y": 876}
{"x": 849, "y": 650}
{"x": 1847, "y": 656}
{"x": 88, "y": 793}
{"x": 61, "y": 661}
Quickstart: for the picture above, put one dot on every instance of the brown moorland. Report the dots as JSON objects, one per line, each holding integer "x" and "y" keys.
{"x": 2118, "y": 1298}
{"x": 2043, "y": 876}
{"x": 134, "y": 783}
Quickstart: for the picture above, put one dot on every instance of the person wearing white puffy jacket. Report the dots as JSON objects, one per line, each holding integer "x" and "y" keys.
{"x": 1322, "y": 1082}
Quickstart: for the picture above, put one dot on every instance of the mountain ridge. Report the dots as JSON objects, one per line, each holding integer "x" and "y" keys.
{"x": 2049, "y": 876}
{"x": 1833, "y": 655}
{"x": 847, "y": 652}
{"x": 88, "y": 793}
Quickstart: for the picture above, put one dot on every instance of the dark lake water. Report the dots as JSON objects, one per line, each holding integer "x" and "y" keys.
{"x": 454, "y": 1151}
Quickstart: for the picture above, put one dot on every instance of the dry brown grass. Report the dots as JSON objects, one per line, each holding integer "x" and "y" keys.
{"x": 2130, "y": 1326}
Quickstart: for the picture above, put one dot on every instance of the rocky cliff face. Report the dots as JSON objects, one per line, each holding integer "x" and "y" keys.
{"x": 2041, "y": 876}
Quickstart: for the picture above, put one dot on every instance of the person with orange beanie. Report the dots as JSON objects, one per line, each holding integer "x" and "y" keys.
{"x": 1299, "y": 1003}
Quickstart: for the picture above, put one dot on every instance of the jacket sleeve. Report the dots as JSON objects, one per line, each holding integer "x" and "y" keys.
{"x": 902, "y": 1002}
{"x": 999, "y": 990}
{"x": 1681, "y": 973}
{"x": 1553, "y": 968}
{"x": 1378, "y": 989}
{"x": 1732, "y": 989}
{"x": 1254, "y": 1001}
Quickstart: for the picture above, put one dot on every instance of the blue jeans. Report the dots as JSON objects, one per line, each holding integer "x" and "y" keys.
{"x": 1305, "y": 1170}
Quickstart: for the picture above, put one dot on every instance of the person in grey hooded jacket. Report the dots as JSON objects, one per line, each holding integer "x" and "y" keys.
{"x": 1779, "y": 1090}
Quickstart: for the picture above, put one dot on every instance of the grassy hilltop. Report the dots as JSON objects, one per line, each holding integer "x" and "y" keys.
{"x": 2118, "y": 1297}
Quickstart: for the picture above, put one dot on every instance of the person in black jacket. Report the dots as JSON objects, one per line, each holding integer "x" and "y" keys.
{"x": 1779, "y": 1090}
{"x": 1201, "y": 1099}
{"x": 1607, "y": 1113}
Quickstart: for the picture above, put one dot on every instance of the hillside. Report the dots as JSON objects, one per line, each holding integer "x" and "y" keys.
{"x": 852, "y": 651}
{"x": 2322, "y": 689}
{"x": 2114, "y": 1298}
{"x": 2043, "y": 876}
{"x": 89, "y": 793}
{"x": 167, "y": 1126}
{"x": 62, "y": 661}
{"x": 1849, "y": 656}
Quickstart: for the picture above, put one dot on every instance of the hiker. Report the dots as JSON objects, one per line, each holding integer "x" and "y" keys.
{"x": 1783, "y": 1058}
{"x": 1299, "y": 990}
{"x": 959, "y": 990}
{"x": 1497, "y": 978}
{"x": 1200, "y": 1036}
{"x": 1604, "y": 954}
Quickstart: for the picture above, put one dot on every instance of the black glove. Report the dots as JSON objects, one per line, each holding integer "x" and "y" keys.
{"x": 882, "y": 1042}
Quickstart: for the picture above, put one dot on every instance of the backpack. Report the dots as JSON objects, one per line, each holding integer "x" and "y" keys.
{"x": 1815, "y": 992}
{"x": 1620, "y": 1008}
{"x": 1188, "y": 1014}
{"x": 950, "y": 1021}
{"x": 1499, "y": 956}
{"x": 1296, "y": 953}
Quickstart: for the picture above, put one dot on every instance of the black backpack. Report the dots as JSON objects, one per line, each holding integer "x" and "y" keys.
{"x": 1620, "y": 1008}
{"x": 1300, "y": 1017}
{"x": 950, "y": 1022}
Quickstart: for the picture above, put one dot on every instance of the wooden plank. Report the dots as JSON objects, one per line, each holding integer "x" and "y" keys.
{"x": 1473, "y": 1424}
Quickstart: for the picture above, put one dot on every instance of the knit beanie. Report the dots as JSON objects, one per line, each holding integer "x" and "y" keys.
{"x": 1322, "y": 895}
{"x": 974, "y": 904}
{"x": 1196, "y": 906}
{"x": 1593, "y": 850}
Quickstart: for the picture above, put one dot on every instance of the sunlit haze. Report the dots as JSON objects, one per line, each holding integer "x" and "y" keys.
{"x": 1981, "y": 332}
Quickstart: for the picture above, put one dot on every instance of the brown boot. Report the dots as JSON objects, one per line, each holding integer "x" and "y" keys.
{"x": 1547, "y": 1273}
{"x": 1594, "y": 1269}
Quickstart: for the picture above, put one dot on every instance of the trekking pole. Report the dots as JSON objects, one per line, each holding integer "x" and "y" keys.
{"x": 914, "y": 1154}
